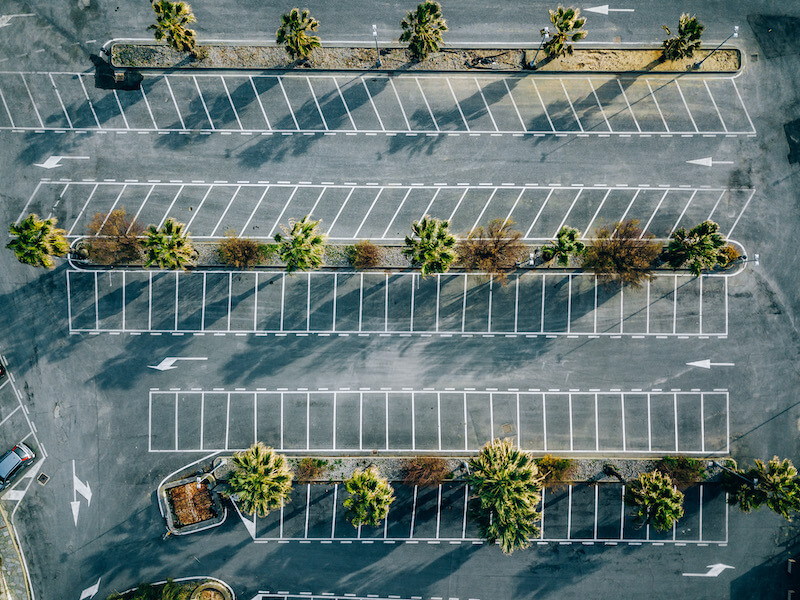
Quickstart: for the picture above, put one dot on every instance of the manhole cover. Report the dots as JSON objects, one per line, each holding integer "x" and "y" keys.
{"x": 508, "y": 428}
{"x": 42, "y": 479}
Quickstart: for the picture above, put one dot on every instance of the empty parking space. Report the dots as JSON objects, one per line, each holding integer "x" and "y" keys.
{"x": 449, "y": 421}
{"x": 572, "y": 513}
{"x": 351, "y": 212}
{"x": 690, "y": 104}
{"x": 263, "y": 302}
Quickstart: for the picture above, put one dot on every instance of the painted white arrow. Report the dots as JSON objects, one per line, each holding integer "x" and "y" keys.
{"x": 6, "y": 19}
{"x": 169, "y": 362}
{"x": 604, "y": 9}
{"x": 76, "y": 508}
{"x": 52, "y": 161}
{"x": 90, "y": 591}
{"x": 708, "y": 161}
{"x": 713, "y": 571}
{"x": 78, "y": 487}
{"x": 707, "y": 364}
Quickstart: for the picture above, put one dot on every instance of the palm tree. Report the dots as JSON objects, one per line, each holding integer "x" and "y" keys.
{"x": 370, "y": 498}
{"x": 506, "y": 484}
{"x": 168, "y": 247}
{"x": 261, "y": 479}
{"x": 568, "y": 23}
{"x": 171, "y": 21}
{"x": 775, "y": 484}
{"x": 686, "y": 41}
{"x": 657, "y": 500}
{"x": 625, "y": 253}
{"x": 430, "y": 245}
{"x": 701, "y": 248}
{"x": 38, "y": 241}
{"x": 422, "y": 29}
{"x": 566, "y": 245}
{"x": 301, "y": 246}
{"x": 292, "y": 33}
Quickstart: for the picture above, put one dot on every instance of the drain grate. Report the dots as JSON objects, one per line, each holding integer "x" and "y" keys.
{"x": 42, "y": 479}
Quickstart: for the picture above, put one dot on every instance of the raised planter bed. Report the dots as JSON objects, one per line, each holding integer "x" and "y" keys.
{"x": 195, "y": 588}
{"x": 363, "y": 58}
{"x": 189, "y": 508}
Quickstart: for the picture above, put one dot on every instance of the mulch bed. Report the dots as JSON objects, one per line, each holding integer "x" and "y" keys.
{"x": 191, "y": 505}
{"x": 266, "y": 57}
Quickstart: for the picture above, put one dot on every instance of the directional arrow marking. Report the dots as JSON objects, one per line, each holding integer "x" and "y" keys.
{"x": 53, "y": 161}
{"x": 169, "y": 362}
{"x": 707, "y": 364}
{"x": 78, "y": 487}
{"x": 90, "y": 591}
{"x": 76, "y": 508}
{"x": 6, "y": 19}
{"x": 604, "y": 9}
{"x": 713, "y": 571}
{"x": 708, "y": 161}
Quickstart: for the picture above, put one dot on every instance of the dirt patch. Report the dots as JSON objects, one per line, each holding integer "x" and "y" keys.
{"x": 266, "y": 57}
{"x": 191, "y": 505}
{"x": 726, "y": 61}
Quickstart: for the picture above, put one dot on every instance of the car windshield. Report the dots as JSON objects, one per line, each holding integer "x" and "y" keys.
{"x": 7, "y": 464}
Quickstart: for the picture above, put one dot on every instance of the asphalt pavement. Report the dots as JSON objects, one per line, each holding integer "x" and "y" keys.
{"x": 400, "y": 373}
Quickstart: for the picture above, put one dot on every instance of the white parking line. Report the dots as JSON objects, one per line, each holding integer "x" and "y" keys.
{"x": 8, "y": 112}
{"x": 430, "y": 112}
{"x": 149, "y": 110}
{"x": 549, "y": 435}
{"x": 233, "y": 108}
{"x": 260, "y": 104}
{"x": 203, "y": 102}
{"x": 60, "y": 101}
{"x": 175, "y": 103}
{"x": 121, "y": 111}
{"x": 319, "y": 110}
{"x": 372, "y": 103}
{"x": 33, "y": 102}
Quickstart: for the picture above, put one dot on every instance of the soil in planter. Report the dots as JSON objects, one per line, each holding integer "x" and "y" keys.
{"x": 191, "y": 505}
{"x": 210, "y": 595}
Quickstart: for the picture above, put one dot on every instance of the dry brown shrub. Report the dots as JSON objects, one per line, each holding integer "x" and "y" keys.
{"x": 555, "y": 469}
{"x": 114, "y": 238}
{"x": 728, "y": 254}
{"x": 240, "y": 253}
{"x": 425, "y": 471}
{"x": 624, "y": 253}
{"x": 310, "y": 468}
{"x": 365, "y": 255}
{"x": 494, "y": 249}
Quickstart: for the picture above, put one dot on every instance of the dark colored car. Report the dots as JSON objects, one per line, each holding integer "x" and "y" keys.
{"x": 13, "y": 462}
{"x": 2, "y": 371}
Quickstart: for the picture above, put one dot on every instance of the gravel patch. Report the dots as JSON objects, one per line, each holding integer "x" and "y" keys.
{"x": 363, "y": 58}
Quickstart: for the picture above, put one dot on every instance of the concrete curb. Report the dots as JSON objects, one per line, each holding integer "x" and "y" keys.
{"x": 12, "y": 569}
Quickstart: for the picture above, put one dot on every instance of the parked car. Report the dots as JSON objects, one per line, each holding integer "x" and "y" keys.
{"x": 14, "y": 462}
{"x": 2, "y": 371}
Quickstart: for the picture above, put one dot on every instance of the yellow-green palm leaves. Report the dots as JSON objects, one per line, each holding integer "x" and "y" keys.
{"x": 293, "y": 33}
{"x": 168, "y": 247}
{"x": 171, "y": 21}
{"x": 370, "y": 498}
{"x": 506, "y": 484}
{"x": 656, "y": 499}
{"x": 261, "y": 479}
{"x": 38, "y": 241}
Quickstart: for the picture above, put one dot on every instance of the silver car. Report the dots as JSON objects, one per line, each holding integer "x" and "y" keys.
{"x": 13, "y": 462}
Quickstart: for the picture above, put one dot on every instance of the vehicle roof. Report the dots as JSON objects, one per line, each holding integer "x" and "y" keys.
{"x": 8, "y": 462}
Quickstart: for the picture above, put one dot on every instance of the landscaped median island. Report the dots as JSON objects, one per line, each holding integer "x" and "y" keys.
{"x": 185, "y": 588}
{"x": 423, "y": 31}
{"x": 620, "y": 252}
{"x": 499, "y": 494}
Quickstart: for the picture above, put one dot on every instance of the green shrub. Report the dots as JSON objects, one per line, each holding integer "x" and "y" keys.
{"x": 310, "y": 468}
{"x": 682, "y": 470}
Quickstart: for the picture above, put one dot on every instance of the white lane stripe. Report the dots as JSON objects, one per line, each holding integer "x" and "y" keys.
{"x": 80, "y": 214}
{"x": 288, "y": 104}
{"x": 714, "y": 102}
{"x": 366, "y": 216}
{"x": 203, "y": 101}
{"x": 338, "y": 214}
{"x": 121, "y": 111}
{"x": 680, "y": 91}
{"x": 258, "y": 204}
{"x": 149, "y": 110}
{"x": 602, "y": 112}
{"x": 486, "y": 104}
{"x": 28, "y": 203}
{"x": 485, "y": 206}
{"x": 91, "y": 106}
{"x": 197, "y": 210}
{"x": 283, "y": 211}
{"x": 396, "y": 212}
{"x": 541, "y": 101}
{"x": 539, "y": 214}
{"x": 113, "y": 206}
{"x": 630, "y": 108}
{"x": 746, "y": 113}
{"x": 683, "y": 212}
{"x": 744, "y": 208}
{"x": 319, "y": 110}
{"x": 458, "y": 105}
{"x": 225, "y": 212}
{"x": 372, "y": 103}
{"x": 233, "y": 108}
{"x": 658, "y": 107}
{"x": 514, "y": 104}
{"x": 650, "y": 220}
{"x": 8, "y": 112}
{"x": 141, "y": 206}
{"x": 400, "y": 104}
{"x": 566, "y": 216}
{"x": 510, "y": 212}
{"x": 597, "y": 212}
{"x": 260, "y": 104}
{"x": 60, "y": 101}
{"x": 347, "y": 108}
{"x": 574, "y": 113}
{"x": 175, "y": 102}
{"x": 430, "y": 112}
{"x": 313, "y": 208}
{"x": 33, "y": 102}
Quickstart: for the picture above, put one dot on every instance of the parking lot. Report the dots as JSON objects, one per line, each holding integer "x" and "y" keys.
{"x": 379, "y": 103}
{"x": 384, "y": 213}
{"x": 440, "y": 514}
{"x": 344, "y": 303}
{"x": 634, "y": 422}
